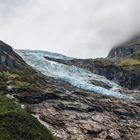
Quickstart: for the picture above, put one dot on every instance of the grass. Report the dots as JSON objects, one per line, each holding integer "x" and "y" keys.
{"x": 101, "y": 61}
{"x": 128, "y": 62}
{"x": 17, "y": 124}
{"x": 22, "y": 79}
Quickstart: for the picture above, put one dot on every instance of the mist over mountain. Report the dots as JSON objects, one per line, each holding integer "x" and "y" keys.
{"x": 75, "y": 28}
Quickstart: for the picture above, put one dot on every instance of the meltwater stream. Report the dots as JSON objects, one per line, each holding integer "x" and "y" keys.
{"x": 75, "y": 76}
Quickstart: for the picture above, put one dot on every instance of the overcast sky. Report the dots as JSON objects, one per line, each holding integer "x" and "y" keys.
{"x": 79, "y": 28}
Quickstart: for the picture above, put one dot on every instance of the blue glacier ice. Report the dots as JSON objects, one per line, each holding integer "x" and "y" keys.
{"x": 46, "y": 53}
{"x": 75, "y": 76}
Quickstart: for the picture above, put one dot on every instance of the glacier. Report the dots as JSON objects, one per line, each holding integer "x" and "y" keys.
{"x": 77, "y": 77}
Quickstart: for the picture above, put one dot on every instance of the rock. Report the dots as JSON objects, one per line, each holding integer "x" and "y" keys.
{"x": 91, "y": 127}
{"x": 90, "y": 117}
{"x": 9, "y": 58}
{"x": 126, "y": 49}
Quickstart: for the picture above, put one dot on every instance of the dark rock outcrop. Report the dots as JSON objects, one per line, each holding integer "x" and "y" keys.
{"x": 126, "y": 49}
{"x": 8, "y": 57}
{"x": 124, "y": 77}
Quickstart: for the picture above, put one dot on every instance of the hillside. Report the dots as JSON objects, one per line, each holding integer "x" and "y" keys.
{"x": 17, "y": 124}
{"x": 17, "y": 76}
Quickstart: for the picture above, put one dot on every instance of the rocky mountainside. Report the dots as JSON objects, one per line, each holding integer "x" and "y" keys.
{"x": 71, "y": 111}
{"x": 9, "y": 58}
{"x": 128, "y": 49}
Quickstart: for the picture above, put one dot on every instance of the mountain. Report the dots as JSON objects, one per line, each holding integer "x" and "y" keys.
{"x": 72, "y": 102}
{"x": 16, "y": 76}
{"x": 129, "y": 49}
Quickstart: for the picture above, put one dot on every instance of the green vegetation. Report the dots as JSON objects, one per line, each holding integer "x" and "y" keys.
{"x": 128, "y": 62}
{"x": 136, "y": 55}
{"x": 21, "y": 79}
{"x": 17, "y": 124}
{"x": 103, "y": 62}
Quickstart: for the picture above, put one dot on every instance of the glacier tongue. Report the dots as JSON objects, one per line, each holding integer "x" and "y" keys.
{"x": 76, "y": 76}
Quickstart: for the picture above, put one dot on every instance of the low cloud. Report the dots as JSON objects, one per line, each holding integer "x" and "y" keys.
{"x": 79, "y": 28}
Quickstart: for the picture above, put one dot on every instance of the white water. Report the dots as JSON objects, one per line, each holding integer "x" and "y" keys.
{"x": 76, "y": 76}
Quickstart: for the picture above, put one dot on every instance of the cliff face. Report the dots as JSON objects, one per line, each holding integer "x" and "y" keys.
{"x": 124, "y": 77}
{"x": 9, "y": 58}
{"x": 128, "y": 49}
{"x": 123, "y": 64}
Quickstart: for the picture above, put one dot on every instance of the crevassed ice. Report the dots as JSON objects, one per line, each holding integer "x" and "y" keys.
{"x": 46, "y": 53}
{"x": 76, "y": 76}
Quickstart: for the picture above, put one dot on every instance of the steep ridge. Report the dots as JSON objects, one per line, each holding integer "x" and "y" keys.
{"x": 128, "y": 49}
{"x": 68, "y": 111}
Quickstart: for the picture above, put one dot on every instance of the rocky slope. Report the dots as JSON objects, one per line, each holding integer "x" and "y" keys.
{"x": 68, "y": 111}
{"x": 73, "y": 114}
{"x": 128, "y": 49}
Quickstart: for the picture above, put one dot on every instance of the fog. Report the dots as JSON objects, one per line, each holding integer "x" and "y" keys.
{"x": 78, "y": 28}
